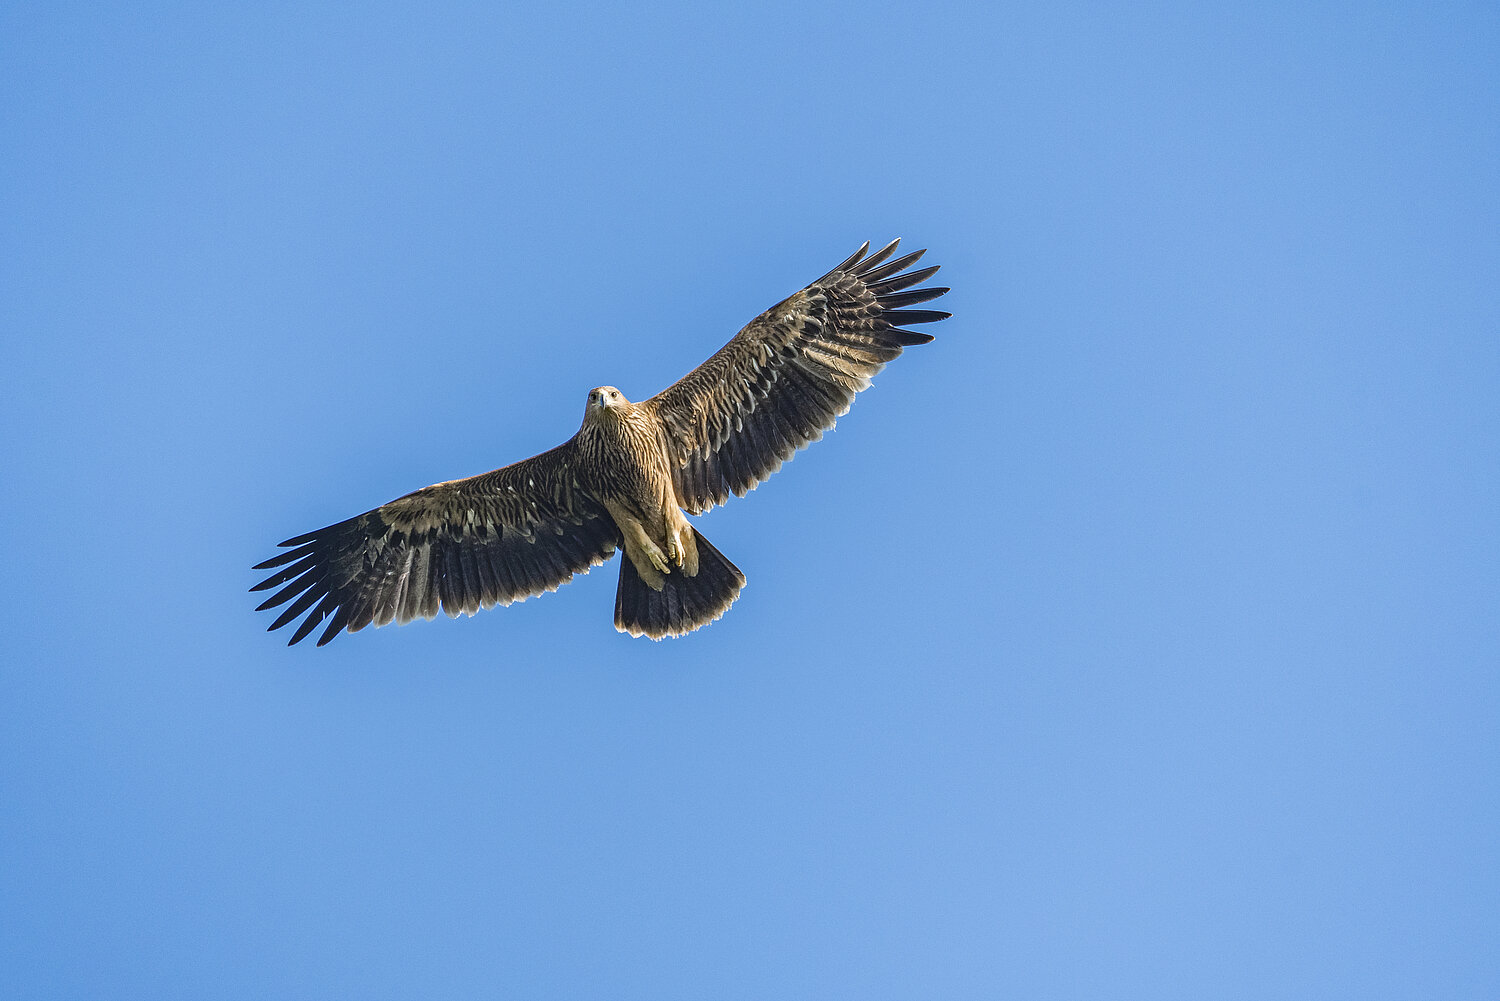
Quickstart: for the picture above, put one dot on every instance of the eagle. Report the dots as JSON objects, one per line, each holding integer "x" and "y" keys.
{"x": 628, "y": 478}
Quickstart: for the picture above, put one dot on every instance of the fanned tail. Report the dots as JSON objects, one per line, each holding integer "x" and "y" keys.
{"x": 684, "y": 603}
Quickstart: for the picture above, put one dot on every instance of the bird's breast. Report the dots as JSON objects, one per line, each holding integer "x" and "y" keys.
{"x": 625, "y": 461}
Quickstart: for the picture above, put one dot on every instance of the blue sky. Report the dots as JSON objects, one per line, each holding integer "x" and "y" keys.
{"x": 1139, "y": 637}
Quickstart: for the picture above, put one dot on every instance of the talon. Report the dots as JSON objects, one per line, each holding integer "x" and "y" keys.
{"x": 687, "y": 551}
{"x": 658, "y": 560}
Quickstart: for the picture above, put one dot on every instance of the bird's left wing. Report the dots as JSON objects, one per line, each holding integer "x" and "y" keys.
{"x": 461, "y": 545}
{"x": 784, "y": 379}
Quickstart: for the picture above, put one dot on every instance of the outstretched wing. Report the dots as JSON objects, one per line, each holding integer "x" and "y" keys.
{"x": 461, "y": 545}
{"x": 794, "y": 370}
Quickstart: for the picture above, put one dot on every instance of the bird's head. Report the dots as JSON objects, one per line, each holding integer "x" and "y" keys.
{"x": 604, "y": 398}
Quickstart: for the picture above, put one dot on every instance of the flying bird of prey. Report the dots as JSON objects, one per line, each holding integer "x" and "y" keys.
{"x": 624, "y": 479}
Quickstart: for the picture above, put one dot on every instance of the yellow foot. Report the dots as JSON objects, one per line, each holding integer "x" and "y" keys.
{"x": 657, "y": 557}
{"x": 683, "y": 550}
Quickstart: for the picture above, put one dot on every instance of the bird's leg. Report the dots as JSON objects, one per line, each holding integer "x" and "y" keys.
{"x": 650, "y": 562}
{"x": 681, "y": 546}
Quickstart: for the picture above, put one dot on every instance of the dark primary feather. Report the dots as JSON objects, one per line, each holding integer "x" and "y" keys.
{"x": 790, "y": 374}
{"x": 456, "y": 547}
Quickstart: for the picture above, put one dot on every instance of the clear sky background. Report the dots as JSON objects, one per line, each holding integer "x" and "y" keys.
{"x": 1139, "y": 637}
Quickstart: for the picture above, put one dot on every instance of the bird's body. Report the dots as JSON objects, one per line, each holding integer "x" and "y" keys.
{"x": 629, "y": 477}
{"x": 625, "y": 460}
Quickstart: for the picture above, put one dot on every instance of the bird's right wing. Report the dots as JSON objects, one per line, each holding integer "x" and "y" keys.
{"x": 462, "y": 545}
{"x": 784, "y": 379}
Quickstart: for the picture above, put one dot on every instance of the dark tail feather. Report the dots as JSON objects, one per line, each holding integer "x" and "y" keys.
{"x": 684, "y": 603}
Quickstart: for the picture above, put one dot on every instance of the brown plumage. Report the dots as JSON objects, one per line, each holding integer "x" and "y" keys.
{"x": 624, "y": 479}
